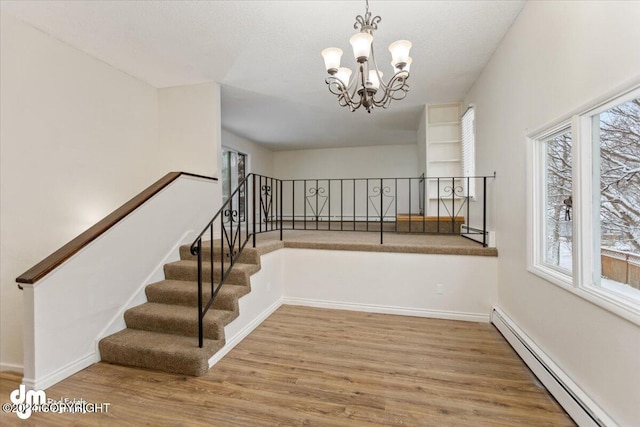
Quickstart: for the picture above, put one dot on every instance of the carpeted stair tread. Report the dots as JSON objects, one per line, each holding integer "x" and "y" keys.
{"x": 163, "y": 352}
{"x": 188, "y": 270}
{"x": 162, "y": 333}
{"x": 248, "y": 255}
{"x": 178, "y": 319}
{"x": 183, "y": 292}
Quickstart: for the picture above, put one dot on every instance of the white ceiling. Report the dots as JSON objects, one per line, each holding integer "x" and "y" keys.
{"x": 266, "y": 55}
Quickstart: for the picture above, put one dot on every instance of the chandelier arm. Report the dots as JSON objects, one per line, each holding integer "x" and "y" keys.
{"x": 364, "y": 95}
{"x": 398, "y": 86}
{"x": 375, "y": 65}
{"x": 345, "y": 99}
{"x": 357, "y": 77}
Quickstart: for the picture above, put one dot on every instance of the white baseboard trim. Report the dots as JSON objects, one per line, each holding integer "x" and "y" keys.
{"x": 402, "y": 311}
{"x": 62, "y": 373}
{"x": 237, "y": 338}
{"x": 583, "y": 410}
{"x": 12, "y": 367}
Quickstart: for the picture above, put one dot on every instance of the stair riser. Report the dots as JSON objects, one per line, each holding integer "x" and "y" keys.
{"x": 189, "y": 297}
{"x": 247, "y": 256}
{"x": 153, "y": 361}
{"x": 180, "y": 272}
{"x": 174, "y": 363}
{"x": 187, "y": 328}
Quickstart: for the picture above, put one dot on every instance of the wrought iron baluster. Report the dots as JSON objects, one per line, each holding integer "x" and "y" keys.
{"x": 381, "y": 210}
{"x": 341, "y": 203}
{"x": 354, "y": 205}
{"x": 253, "y": 207}
{"x": 281, "y": 214}
{"x": 410, "y": 222}
{"x": 200, "y": 326}
{"x": 421, "y": 189}
{"x": 467, "y": 220}
{"x": 453, "y": 204}
{"x": 396, "y": 206}
{"x": 329, "y": 213}
{"x": 367, "y": 202}
{"x": 438, "y": 205}
{"x": 484, "y": 211}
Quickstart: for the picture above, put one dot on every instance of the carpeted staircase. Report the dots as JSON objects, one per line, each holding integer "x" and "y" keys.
{"x": 162, "y": 334}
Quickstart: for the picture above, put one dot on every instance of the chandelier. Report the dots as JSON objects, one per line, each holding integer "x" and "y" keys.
{"x": 366, "y": 88}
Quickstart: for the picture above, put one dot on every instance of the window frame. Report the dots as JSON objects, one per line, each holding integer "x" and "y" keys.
{"x": 586, "y": 254}
{"x": 536, "y": 145}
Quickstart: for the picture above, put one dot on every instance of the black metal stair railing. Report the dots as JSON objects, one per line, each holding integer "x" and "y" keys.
{"x": 260, "y": 204}
{"x": 231, "y": 219}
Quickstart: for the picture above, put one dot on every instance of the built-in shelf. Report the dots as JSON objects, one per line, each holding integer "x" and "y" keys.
{"x": 451, "y": 141}
{"x": 443, "y": 151}
{"x": 445, "y": 161}
{"x": 431, "y": 124}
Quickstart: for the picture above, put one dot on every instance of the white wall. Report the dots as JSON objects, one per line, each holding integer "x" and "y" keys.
{"x": 78, "y": 139}
{"x": 189, "y": 127}
{"x": 386, "y": 161}
{"x": 556, "y": 58}
{"x": 443, "y": 286}
{"x": 84, "y": 300}
{"x": 260, "y": 158}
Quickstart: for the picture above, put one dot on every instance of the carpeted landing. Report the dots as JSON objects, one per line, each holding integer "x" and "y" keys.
{"x": 162, "y": 334}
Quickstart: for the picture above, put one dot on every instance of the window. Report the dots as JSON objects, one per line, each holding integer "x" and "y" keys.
{"x": 558, "y": 252}
{"x": 552, "y": 250}
{"x": 233, "y": 173}
{"x": 616, "y": 191}
{"x": 469, "y": 148}
{"x": 584, "y": 210}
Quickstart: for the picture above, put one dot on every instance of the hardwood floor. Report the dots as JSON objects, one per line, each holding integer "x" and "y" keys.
{"x": 307, "y": 366}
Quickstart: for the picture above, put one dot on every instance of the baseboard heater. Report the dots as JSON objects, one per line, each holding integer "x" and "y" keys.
{"x": 583, "y": 410}
{"x": 474, "y": 233}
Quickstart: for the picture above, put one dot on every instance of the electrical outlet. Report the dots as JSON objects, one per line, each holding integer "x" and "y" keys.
{"x": 439, "y": 289}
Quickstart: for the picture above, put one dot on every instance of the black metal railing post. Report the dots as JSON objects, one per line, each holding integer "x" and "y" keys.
{"x": 253, "y": 208}
{"x": 438, "y": 206}
{"x": 281, "y": 213}
{"x": 484, "y": 211}
{"x": 200, "y": 326}
{"x": 381, "y": 211}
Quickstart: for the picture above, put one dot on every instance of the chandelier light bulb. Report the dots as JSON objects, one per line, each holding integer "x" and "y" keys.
{"x": 405, "y": 68}
{"x": 332, "y": 57}
{"x": 400, "y": 52}
{"x": 361, "y": 44}
{"x": 344, "y": 74}
{"x": 374, "y": 80}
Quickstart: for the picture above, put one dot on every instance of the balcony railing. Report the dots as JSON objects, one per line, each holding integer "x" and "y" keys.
{"x": 427, "y": 205}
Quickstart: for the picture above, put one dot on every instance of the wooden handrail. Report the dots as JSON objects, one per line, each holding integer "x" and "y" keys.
{"x": 48, "y": 264}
